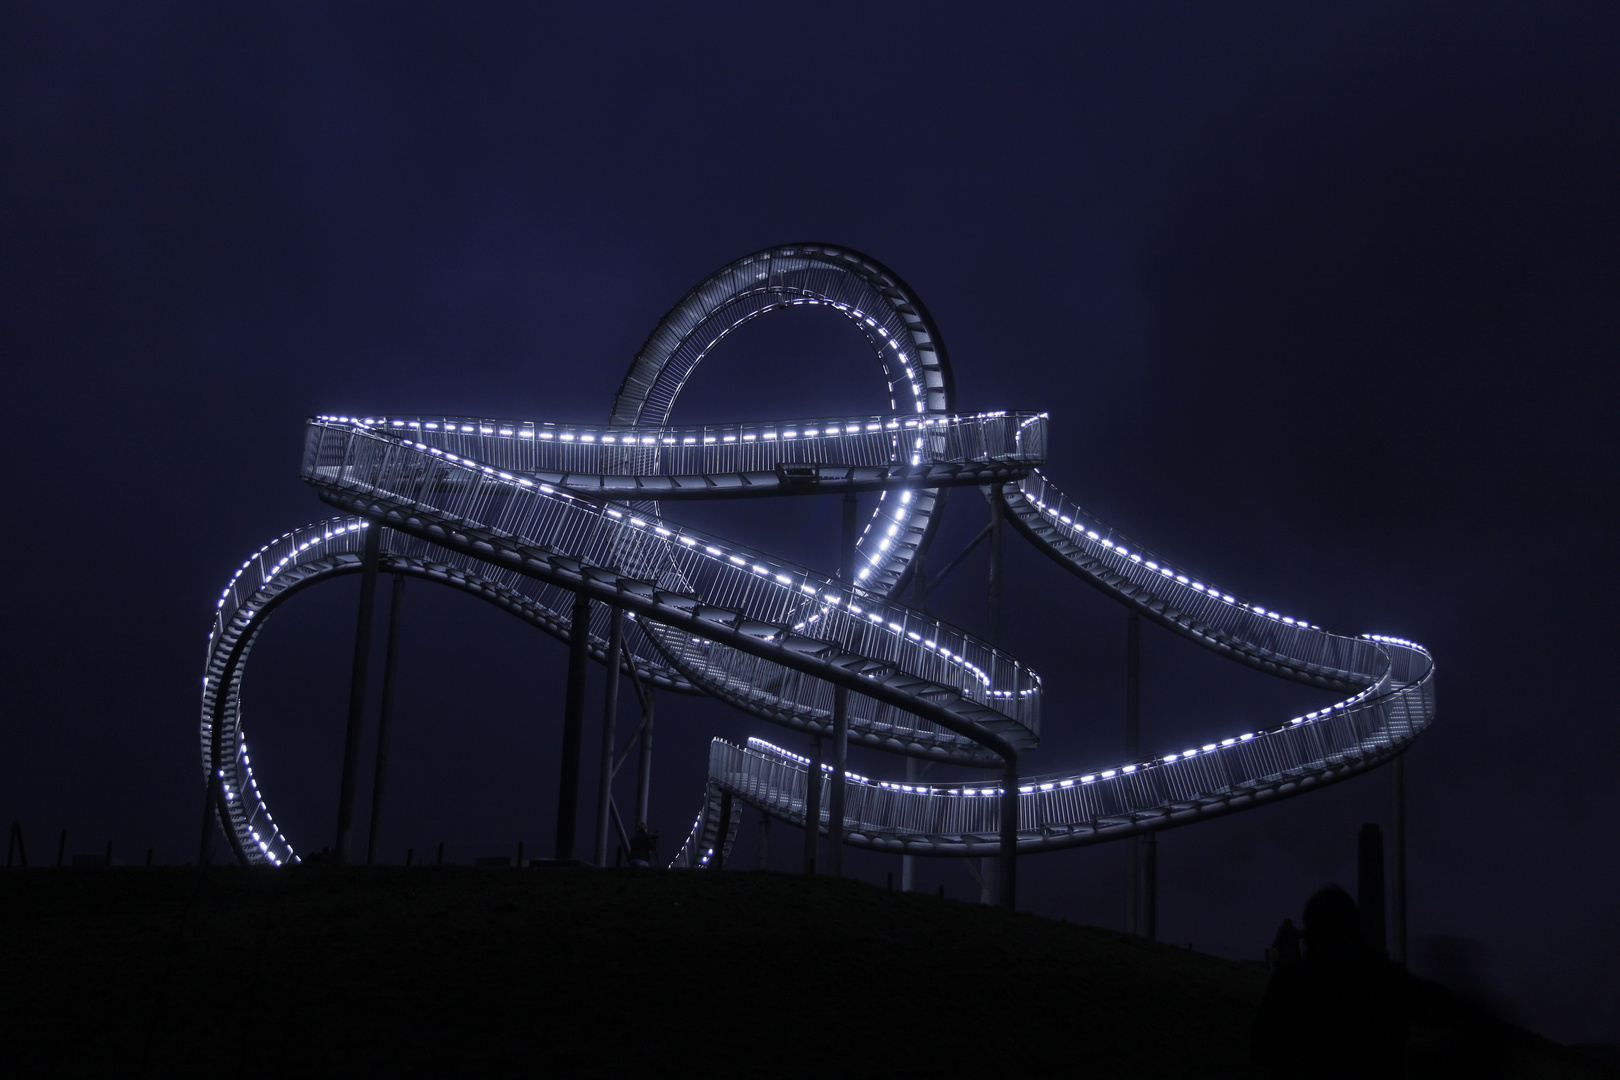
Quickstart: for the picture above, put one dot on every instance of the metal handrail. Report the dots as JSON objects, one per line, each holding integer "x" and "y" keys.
{"x": 1076, "y": 808}
{"x": 734, "y": 586}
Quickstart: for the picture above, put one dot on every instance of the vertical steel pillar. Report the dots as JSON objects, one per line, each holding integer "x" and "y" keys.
{"x": 987, "y": 879}
{"x": 610, "y": 716}
{"x": 385, "y": 718}
{"x": 1009, "y": 834}
{"x": 812, "y": 806}
{"x": 211, "y": 790}
{"x": 1133, "y": 716}
{"x": 840, "y": 739}
{"x": 764, "y": 840}
{"x": 644, "y": 757}
{"x": 995, "y": 569}
{"x": 908, "y": 867}
{"x": 1150, "y": 886}
{"x": 1370, "y": 888}
{"x": 719, "y": 860}
{"x": 908, "y": 863}
{"x": 1397, "y": 863}
{"x": 573, "y": 725}
{"x": 357, "y": 694}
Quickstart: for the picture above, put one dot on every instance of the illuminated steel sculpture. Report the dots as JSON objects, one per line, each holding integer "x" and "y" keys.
{"x": 562, "y": 523}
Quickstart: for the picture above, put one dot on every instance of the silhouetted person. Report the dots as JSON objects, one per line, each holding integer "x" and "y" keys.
{"x": 643, "y": 846}
{"x": 1285, "y": 946}
{"x": 1338, "y": 1013}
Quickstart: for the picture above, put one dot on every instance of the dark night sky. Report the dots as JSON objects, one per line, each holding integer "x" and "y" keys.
{"x": 1322, "y": 300}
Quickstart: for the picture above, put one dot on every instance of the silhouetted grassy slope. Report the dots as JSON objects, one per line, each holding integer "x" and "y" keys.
{"x": 613, "y": 972}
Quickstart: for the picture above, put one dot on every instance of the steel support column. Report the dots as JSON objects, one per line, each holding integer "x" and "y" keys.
{"x": 812, "y": 806}
{"x": 357, "y": 694}
{"x": 719, "y": 860}
{"x": 1009, "y": 834}
{"x": 385, "y": 719}
{"x": 995, "y": 570}
{"x": 987, "y": 879}
{"x": 644, "y": 756}
{"x": 908, "y": 863}
{"x": 840, "y": 738}
{"x": 610, "y": 716}
{"x": 1133, "y": 716}
{"x": 211, "y": 813}
{"x": 764, "y": 841}
{"x": 1397, "y": 862}
{"x": 573, "y": 726}
{"x": 1150, "y": 887}
{"x": 1370, "y": 888}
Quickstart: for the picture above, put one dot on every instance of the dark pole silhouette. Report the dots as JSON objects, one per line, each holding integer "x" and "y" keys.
{"x": 840, "y": 739}
{"x": 987, "y": 880}
{"x": 1397, "y": 862}
{"x": 1133, "y": 715}
{"x": 573, "y": 726}
{"x": 357, "y": 695}
{"x": 644, "y": 695}
{"x": 1150, "y": 887}
{"x": 610, "y": 714}
{"x": 385, "y": 718}
{"x": 812, "y": 806}
{"x": 1370, "y": 888}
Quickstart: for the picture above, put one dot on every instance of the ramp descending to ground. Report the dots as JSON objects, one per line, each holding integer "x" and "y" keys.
{"x": 529, "y": 515}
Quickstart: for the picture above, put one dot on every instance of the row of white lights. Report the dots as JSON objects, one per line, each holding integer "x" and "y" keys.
{"x": 824, "y": 594}
{"x": 1080, "y": 532}
{"x": 900, "y": 517}
{"x": 297, "y": 549}
{"x": 1124, "y": 770}
{"x": 575, "y": 433}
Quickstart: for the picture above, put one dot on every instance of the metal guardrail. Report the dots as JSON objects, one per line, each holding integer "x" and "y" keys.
{"x": 529, "y": 515}
{"x": 788, "y": 607}
{"x": 1072, "y": 809}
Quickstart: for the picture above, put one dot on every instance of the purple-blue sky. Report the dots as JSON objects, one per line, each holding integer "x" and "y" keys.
{"x": 1321, "y": 299}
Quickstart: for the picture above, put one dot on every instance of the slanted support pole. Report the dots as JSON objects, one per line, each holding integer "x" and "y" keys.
{"x": 1133, "y": 717}
{"x": 840, "y": 739}
{"x": 385, "y": 718}
{"x": 1009, "y": 834}
{"x": 1397, "y": 863}
{"x": 610, "y": 715}
{"x": 644, "y": 758}
{"x": 812, "y": 806}
{"x": 579, "y": 631}
{"x": 357, "y": 694}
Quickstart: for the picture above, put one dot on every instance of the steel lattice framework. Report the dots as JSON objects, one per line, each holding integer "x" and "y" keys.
{"x": 530, "y": 516}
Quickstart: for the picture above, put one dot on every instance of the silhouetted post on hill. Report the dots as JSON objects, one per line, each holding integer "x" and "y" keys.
{"x": 1370, "y": 888}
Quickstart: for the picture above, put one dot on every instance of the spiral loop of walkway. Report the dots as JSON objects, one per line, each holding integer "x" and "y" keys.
{"x": 530, "y": 515}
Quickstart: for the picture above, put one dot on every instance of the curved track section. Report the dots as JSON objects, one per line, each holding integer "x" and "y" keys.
{"x": 530, "y": 515}
{"x": 1392, "y": 701}
{"x": 313, "y": 554}
{"x": 760, "y": 633}
{"x": 907, "y": 345}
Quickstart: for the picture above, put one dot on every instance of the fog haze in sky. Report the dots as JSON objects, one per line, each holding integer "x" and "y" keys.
{"x": 1321, "y": 300}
